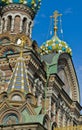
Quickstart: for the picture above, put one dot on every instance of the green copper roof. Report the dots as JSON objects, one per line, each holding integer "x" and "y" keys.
{"x": 55, "y": 45}
{"x": 27, "y": 118}
{"x": 38, "y": 109}
{"x": 19, "y": 80}
{"x": 52, "y": 67}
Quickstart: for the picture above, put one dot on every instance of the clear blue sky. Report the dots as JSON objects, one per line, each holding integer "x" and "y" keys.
{"x": 71, "y": 24}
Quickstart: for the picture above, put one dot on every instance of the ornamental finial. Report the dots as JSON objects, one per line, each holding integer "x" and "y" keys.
{"x": 55, "y": 16}
{"x": 21, "y": 43}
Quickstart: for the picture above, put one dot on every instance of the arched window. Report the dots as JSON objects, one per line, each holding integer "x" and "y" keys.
{"x": 63, "y": 73}
{"x": 24, "y": 25}
{"x": 54, "y": 125}
{"x": 16, "y": 97}
{"x": 10, "y": 119}
{"x": 29, "y": 27}
{"x": 9, "y": 23}
{"x": 17, "y": 23}
{"x": 3, "y": 24}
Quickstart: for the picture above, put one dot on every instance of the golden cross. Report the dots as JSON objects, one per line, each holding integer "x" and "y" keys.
{"x": 55, "y": 16}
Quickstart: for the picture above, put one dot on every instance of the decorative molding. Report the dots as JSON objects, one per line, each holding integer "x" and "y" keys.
{"x": 18, "y": 7}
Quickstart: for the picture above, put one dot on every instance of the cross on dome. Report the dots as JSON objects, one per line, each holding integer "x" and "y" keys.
{"x": 55, "y": 16}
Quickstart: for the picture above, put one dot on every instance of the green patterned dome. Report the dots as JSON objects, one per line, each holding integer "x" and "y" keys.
{"x": 33, "y": 4}
{"x": 55, "y": 45}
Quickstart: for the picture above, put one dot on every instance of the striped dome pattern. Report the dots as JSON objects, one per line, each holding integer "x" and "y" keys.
{"x": 55, "y": 45}
{"x": 32, "y": 4}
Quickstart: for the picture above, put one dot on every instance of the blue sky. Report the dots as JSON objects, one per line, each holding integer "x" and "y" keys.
{"x": 72, "y": 28}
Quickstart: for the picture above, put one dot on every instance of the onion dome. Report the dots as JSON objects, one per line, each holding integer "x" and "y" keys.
{"x": 32, "y": 4}
{"x": 55, "y": 44}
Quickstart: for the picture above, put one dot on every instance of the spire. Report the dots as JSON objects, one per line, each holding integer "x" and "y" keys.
{"x": 55, "y": 16}
{"x": 19, "y": 80}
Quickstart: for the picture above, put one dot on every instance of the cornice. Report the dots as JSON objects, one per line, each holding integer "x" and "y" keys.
{"x": 18, "y": 7}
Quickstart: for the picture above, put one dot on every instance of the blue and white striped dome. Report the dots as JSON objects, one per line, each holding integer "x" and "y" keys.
{"x": 33, "y": 4}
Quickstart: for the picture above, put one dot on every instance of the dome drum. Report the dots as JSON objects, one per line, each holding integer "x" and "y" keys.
{"x": 18, "y": 21}
{"x": 34, "y": 5}
{"x": 18, "y": 7}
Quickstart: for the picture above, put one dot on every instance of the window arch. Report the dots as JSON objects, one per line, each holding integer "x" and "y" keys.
{"x": 31, "y": 99}
{"x": 17, "y": 23}
{"x": 65, "y": 59}
{"x": 3, "y": 21}
{"x": 16, "y": 97}
{"x": 54, "y": 125}
{"x": 9, "y": 23}
{"x": 10, "y": 118}
{"x": 24, "y": 25}
{"x": 63, "y": 72}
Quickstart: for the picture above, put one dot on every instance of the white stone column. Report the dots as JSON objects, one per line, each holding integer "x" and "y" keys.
{"x": 31, "y": 29}
{"x": 12, "y": 24}
{"x": 34, "y": 90}
{"x": 64, "y": 120}
{"x": 21, "y": 25}
{"x": 59, "y": 118}
{"x": 5, "y": 26}
{"x": 54, "y": 111}
{"x": 27, "y": 27}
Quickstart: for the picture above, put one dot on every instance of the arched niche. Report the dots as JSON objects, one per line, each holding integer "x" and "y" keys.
{"x": 54, "y": 125}
{"x": 9, "y": 23}
{"x": 10, "y": 116}
{"x": 31, "y": 99}
{"x": 24, "y": 25}
{"x": 4, "y": 40}
{"x": 16, "y": 96}
{"x": 66, "y": 71}
{"x": 8, "y": 50}
{"x": 17, "y": 21}
{"x": 3, "y": 96}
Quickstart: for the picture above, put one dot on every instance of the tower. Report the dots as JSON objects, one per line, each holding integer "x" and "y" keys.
{"x": 58, "y": 58}
{"x": 22, "y": 76}
{"x": 38, "y": 89}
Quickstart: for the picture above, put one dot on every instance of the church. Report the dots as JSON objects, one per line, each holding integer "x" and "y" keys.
{"x": 39, "y": 89}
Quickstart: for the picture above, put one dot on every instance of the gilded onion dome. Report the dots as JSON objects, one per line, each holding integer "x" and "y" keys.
{"x": 33, "y": 4}
{"x": 55, "y": 44}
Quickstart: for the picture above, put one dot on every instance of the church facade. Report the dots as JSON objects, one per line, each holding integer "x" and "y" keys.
{"x": 39, "y": 88}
